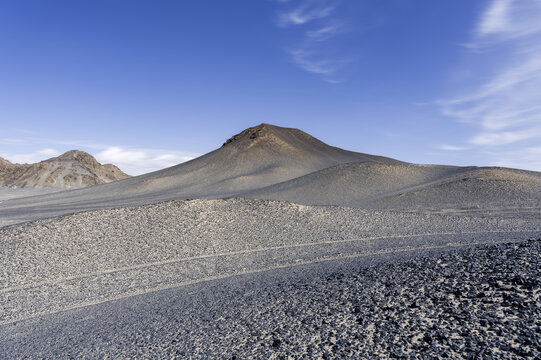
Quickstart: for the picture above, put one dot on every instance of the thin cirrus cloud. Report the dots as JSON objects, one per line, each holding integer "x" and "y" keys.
{"x": 510, "y": 19}
{"x": 506, "y": 108}
{"x": 324, "y": 33}
{"x": 316, "y": 23}
{"x": 306, "y": 12}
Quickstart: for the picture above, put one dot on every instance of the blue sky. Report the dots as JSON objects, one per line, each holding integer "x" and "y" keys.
{"x": 147, "y": 84}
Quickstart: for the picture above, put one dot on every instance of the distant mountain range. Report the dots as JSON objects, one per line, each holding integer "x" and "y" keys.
{"x": 72, "y": 170}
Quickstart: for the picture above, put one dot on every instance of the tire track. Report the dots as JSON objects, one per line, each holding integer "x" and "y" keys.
{"x": 19, "y": 303}
{"x": 256, "y": 250}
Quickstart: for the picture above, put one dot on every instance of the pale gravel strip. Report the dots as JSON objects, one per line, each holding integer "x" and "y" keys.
{"x": 90, "y": 242}
{"x": 32, "y": 302}
{"x": 290, "y": 246}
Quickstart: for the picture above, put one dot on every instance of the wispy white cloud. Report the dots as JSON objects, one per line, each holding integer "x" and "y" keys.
{"x": 11, "y": 141}
{"x": 318, "y": 24}
{"x": 133, "y": 161}
{"x": 504, "y": 137}
{"x": 452, "y": 148}
{"x": 31, "y": 157}
{"x": 309, "y": 61}
{"x": 129, "y": 160}
{"x": 509, "y": 19}
{"x": 528, "y": 158}
{"x": 495, "y": 18}
{"x": 325, "y": 32}
{"x": 308, "y": 11}
{"x": 505, "y": 110}
{"x": 118, "y": 155}
{"x": 140, "y": 161}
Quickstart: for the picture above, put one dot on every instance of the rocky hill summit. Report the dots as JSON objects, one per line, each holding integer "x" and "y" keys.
{"x": 71, "y": 170}
{"x": 4, "y": 162}
{"x": 271, "y": 133}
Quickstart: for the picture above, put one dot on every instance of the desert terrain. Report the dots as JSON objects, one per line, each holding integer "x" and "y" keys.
{"x": 277, "y": 245}
{"x": 72, "y": 170}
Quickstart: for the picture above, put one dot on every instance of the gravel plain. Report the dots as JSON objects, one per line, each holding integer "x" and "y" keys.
{"x": 256, "y": 279}
{"x": 479, "y": 302}
{"x": 85, "y": 258}
{"x": 10, "y": 193}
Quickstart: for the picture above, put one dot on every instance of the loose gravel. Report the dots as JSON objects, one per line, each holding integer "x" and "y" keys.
{"x": 94, "y": 241}
{"x": 471, "y": 303}
{"x": 85, "y": 258}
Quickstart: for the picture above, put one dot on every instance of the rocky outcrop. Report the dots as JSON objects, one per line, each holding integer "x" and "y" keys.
{"x": 71, "y": 170}
{"x": 4, "y": 163}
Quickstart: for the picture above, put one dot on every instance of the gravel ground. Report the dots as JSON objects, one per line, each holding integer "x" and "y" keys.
{"x": 10, "y": 193}
{"x": 90, "y": 242}
{"x": 478, "y": 302}
{"x": 81, "y": 259}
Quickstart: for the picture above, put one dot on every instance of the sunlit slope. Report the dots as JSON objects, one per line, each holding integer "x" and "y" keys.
{"x": 408, "y": 186}
{"x": 482, "y": 188}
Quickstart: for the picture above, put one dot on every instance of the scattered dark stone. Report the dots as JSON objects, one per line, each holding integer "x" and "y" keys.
{"x": 276, "y": 343}
{"x": 462, "y": 311}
